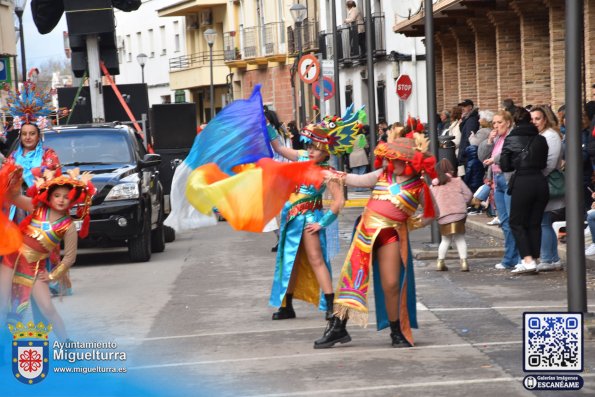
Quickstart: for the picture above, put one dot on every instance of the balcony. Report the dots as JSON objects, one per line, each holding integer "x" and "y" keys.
{"x": 262, "y": 44}
{"x": 231, "y": 52}
{"x": 309, "y": 36}
{"x": 352, "y": 41}
{"x": 190, "y": 71}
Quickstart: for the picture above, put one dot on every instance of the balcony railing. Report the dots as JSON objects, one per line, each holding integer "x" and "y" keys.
{"x": 194, "y": 60}
{"x": 274, "y": 38}
{"x": 230, "y": 51}
{"x": 309, "y": 36}
{"x": 352, "y": 40}
{"x": 266, "y": 40}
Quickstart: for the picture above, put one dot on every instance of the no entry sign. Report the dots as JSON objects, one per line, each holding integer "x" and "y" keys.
{"x": 404, "y": 87}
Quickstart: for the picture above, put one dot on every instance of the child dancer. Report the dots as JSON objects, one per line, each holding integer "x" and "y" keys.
{"x": 24, "y": 272}
{"x": 451, "y": 195}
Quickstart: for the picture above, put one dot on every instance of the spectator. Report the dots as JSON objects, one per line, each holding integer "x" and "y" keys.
{"x": 451, "y": 196}
{"x": 444, "y": 122}
{"x": 469, "y": 125}
{"x": 474, "y": 169}
{"x": 508, "y": 105}
{"x": 355, "y": 19}
{"x": 525, "y": 151}
{"x": 455, "y": 127}
{"x": 296, "y": 143}
{"x": 489, "y": 152}
{"x": 543, "y": 118}
{"x": 562, "y": 119}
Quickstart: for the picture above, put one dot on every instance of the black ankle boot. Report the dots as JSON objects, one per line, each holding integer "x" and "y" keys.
{"x": 335, "y": 332}
{"x": 285, "y": 312}
{"x": 330, "y": 299}
{"x": 396, "y": 336}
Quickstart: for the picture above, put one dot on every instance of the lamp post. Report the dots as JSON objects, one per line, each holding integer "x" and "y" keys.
{"x": 298, "y": 13}
{"x": 142, "y": 61}
{"x": 19, "y": 8}
{"x": 210, "y": 36}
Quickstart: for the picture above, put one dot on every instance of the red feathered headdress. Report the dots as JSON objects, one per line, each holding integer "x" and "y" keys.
{"x": 414, "y": 152}
{"x": 80, "y": 195}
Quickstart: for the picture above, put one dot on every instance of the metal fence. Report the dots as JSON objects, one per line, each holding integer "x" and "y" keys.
{"x": 194, "y": 60}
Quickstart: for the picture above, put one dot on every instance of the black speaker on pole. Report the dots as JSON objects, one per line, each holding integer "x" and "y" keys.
{"x": 173, "y": 125}
{"x": 89, "y": 16}
{"x": 135, "y": 95}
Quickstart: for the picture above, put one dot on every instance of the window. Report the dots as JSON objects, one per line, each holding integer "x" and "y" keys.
{"x": 348, "y": 95}
{"x": 139, "y": 42}
{"x": 381, "y": 100}
{"x": 151, "y": 44}
{"x": 163, "y": 41}
{"x": 176, "y": 36}
{"x": 128, "y": 48}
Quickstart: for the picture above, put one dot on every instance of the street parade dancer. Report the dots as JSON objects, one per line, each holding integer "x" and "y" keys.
{"x": 23, "y": 272}
{"x": 302, "y": 266}
{"x": 380, "y": 244}
{"x": 30, "y": 109}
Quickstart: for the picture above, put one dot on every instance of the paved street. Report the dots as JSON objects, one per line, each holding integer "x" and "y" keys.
{"x": 196, "y": 318}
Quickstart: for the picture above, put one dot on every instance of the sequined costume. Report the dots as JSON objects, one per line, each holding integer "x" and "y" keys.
{"x": 40, "y": 238}
{"x": 302, "y": 208}
{"x": 387, "y": 218}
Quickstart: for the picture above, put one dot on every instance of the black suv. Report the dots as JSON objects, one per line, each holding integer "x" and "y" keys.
{"x": 128, "y": 205}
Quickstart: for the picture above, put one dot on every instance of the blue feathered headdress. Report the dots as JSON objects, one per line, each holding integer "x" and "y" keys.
{"x": 29, "y": 106}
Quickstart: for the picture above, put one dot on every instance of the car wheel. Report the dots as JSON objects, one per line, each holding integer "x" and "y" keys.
{"x": 158, "y": 235}
{"x": 139, "y": 247}
{"x": 170, "y": 234}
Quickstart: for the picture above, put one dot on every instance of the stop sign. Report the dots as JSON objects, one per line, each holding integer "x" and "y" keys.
{"x": 404, "y": 87}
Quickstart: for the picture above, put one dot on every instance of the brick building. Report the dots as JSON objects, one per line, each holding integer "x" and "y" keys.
{"x": 491, "y": 50}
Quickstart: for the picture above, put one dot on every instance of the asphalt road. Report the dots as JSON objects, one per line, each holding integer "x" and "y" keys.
{"x": 196, "y": 320}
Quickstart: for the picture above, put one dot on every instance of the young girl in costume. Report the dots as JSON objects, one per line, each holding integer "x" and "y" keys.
{"x": 381, "y": 241}
{"x": 302, "y": 267}
{"x": 23, "y": 273}
{"x": 452, "y": 196}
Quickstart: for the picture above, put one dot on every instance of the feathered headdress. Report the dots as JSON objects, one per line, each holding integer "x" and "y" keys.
{"x": 29, "y": 106}
{"x": 80, "y": 195}
{"x": 334, "y": 134}
{"x": 414, "y": 152}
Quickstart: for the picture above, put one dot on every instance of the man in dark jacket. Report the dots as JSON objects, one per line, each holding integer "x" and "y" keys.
{"x": 469, "y": 125}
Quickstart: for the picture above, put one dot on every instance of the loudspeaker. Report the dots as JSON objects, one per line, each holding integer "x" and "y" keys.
{"x": 89, "y": 16}
{"x": 138, "y": 103}
{"x": 82, "y": 111}
{"x": 173, "y": 125}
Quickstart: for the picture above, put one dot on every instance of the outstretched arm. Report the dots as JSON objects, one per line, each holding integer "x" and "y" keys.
{"x": 335, "y": 188}
{"x": 288, "y": 153}
{"x": 365, "y": 180}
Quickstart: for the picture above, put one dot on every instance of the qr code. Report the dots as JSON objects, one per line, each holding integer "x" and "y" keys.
{"x": 553, "y": 341}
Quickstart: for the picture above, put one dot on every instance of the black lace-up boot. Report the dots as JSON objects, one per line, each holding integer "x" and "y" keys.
{"x": 335, "y": 332}
{"x": 285, "y": 312}
{"x": 330, "y": 299}
{"x": 396, "y": 336}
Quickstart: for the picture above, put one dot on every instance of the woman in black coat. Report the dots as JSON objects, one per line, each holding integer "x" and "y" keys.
{"x": 525, "y": 152}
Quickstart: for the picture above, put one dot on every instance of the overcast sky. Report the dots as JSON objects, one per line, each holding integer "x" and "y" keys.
{"x": 41, "y": 48}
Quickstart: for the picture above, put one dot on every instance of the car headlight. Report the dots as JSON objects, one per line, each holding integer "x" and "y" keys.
{"x": 123, "y": 191}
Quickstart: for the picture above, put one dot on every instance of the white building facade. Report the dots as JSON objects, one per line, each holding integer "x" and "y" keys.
{"x": 393, "y": 54}
{"x": 161, "y": 39}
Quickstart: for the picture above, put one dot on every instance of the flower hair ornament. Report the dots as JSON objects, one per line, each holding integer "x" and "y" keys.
{"x": 29, "y": 106}
{"x": 80, "y": 195}
{"x": 335, "y": 135}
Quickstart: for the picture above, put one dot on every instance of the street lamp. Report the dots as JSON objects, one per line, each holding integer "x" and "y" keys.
{"x": 142, "y": 61}
{"x": 19, "y": 8}
{"x": 210, "y": 36}
{"x": 298, "y": 13}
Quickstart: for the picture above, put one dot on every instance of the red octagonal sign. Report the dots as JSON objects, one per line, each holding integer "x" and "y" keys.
{"x": 404, "y": 87}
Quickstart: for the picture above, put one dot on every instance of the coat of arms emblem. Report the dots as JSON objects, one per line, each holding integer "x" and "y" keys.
{"x": 30, "y": 352}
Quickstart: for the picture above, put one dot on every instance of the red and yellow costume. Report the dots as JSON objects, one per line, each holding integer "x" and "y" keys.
{"x": 41, "y": 236}
{"x": 386, "y": 218}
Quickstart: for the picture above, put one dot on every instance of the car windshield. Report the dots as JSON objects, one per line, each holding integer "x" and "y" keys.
{"x": 79, "y": 147}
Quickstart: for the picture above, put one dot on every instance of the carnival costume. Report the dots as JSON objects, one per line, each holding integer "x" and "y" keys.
{"x": 333, "y": 135}
{"x": 41, "y": 237}
{"x": 387, "y": 217}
